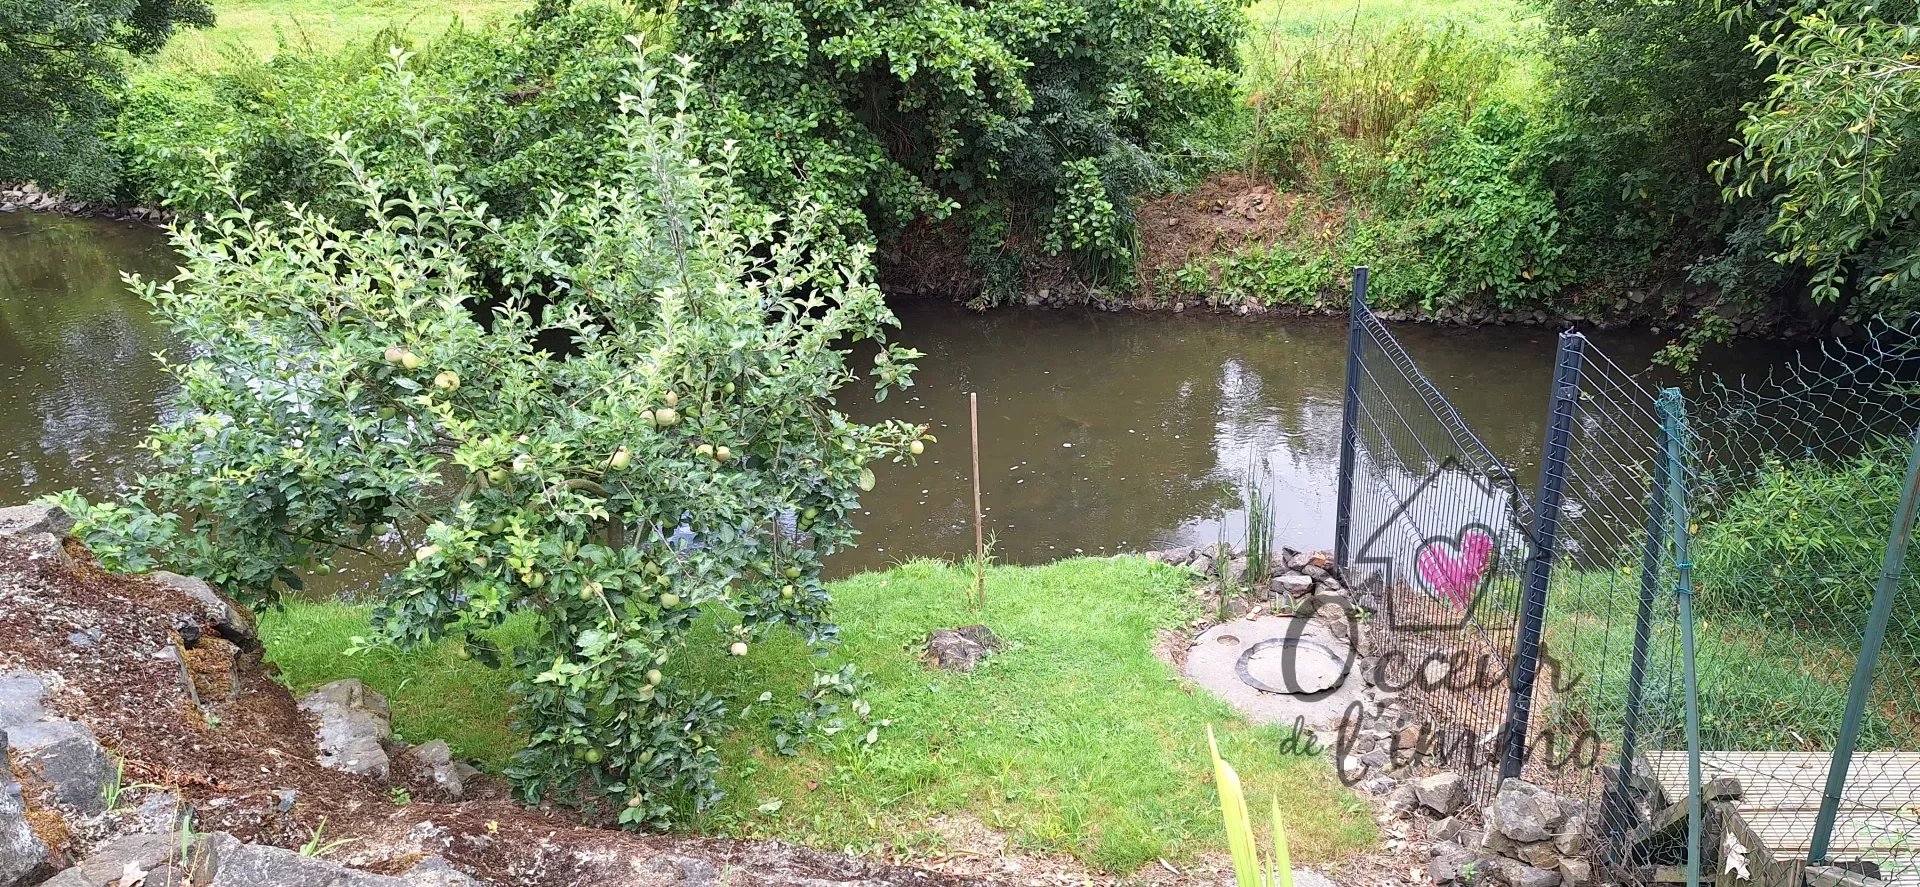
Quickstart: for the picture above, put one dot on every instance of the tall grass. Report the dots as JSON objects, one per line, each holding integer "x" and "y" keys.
{"x": 1347, "y": 88}
{"x": 1260, "y": 513}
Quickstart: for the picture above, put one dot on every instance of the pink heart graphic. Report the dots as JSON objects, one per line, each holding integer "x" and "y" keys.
{"x": 1453, "y": 570}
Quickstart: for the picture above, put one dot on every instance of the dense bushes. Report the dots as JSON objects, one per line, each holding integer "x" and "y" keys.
{"x": 1032, "y": 126}
{"x": 63, "y": 64}
{"x": 519, "y": 111}
{"x": 1802, "y": 545}
{"x": 1035, "y": 123}
{"x": 615, "y": 416}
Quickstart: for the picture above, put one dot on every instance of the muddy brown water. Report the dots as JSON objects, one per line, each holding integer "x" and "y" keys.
{"x": 1099, "y": 431}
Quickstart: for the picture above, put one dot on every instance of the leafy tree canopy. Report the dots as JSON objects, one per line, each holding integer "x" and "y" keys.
{"x": 64, "y": 66}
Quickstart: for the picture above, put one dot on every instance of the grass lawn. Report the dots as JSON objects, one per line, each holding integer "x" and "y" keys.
{"x": 260, "y": 26}
{"x": 1076, "y": 740}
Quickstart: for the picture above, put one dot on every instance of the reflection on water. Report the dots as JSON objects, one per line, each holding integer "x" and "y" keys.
{"x": 76, "y": 353}
{"x": 1099, "y": 432}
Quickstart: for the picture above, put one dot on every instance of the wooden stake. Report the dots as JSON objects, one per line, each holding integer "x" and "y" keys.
{"x": 979, "y": 539}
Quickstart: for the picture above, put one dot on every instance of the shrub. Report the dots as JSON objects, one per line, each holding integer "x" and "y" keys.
{"x": 1034, "y": 124}
{"x": 629, "y": 426}
{"x": 1802, "y": 545}
{"x": 519, "y": 110}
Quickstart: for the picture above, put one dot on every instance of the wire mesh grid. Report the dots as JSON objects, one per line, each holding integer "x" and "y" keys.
{"x": 1437, "y": 549}
{"x": 1786, "y": 489}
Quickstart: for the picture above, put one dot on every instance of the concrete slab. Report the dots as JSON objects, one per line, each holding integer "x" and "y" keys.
{"x": 1254, "y": 664}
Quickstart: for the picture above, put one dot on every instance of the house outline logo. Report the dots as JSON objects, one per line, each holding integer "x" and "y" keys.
{"x": 1381, "y": 572}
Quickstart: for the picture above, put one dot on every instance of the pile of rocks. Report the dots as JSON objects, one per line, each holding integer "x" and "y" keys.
{"x": 1294, "y": 575}
{"x": 355, "y": 735}
{"x": 1532, "y": 838}
{"x": 31, "y": 197}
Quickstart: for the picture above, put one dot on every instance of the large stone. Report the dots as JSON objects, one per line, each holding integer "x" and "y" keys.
{"x": 27, "y": 520}
{"x": 1443, "y": 793}
{"x": 961, "y": 649}
{"x": 220, "y": 860}
{"x": 62, "y": 754}
{"x": 114, "y": 860}
{"x": 435, "y": 872}
{"x": 1524, "y": 812}
{"x": 234, "y": 622}
{"x": 1450, "y": 863}
{"x": 23, "y": 856}
{"x": 434, "y": 760}
{"x": 1576, "y": 872}
{"x": 23, "y": 698}
{"x": 1177, "y": 556}
{"x": 354, "y": 725}
{"x": 66, "y": 756}
{"x": 1572, "y": 840}
{"x": 1293, "y": 585}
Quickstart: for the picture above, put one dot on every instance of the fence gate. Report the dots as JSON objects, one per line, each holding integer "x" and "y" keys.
{"x": 1432, "y": 535}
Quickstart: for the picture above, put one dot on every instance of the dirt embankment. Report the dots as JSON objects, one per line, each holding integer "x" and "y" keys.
{"x": 244, "y": 760}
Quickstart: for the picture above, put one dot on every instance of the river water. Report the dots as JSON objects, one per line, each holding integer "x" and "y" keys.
{"x": 1099, "y": 431}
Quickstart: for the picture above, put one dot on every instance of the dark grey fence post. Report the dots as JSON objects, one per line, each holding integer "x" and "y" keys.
{"x": 1619, "y": 811}
{"x": 1892, "y": 563}
{"x": 1544, "y": 533}
{"x": 1349, "y": 420}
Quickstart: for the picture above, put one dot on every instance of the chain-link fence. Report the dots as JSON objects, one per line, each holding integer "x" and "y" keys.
{"x": 1730, "y": 549}
{"x": 1704, "y": 610}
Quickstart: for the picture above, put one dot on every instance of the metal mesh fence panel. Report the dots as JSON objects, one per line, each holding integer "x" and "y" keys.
{"x": 1434, "y": 544}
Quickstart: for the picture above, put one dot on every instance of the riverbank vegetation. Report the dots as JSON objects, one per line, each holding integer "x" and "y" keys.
{"x": 879, "y": 755}
{"x": 1718, "y": 166}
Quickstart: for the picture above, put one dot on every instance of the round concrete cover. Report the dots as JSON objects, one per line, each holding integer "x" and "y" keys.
{"x": 1278, "y": 666}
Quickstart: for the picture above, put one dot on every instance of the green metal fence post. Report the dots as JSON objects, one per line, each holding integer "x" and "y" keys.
{"x": 1673, "y": 412}
{"x": 1892, "y": 563}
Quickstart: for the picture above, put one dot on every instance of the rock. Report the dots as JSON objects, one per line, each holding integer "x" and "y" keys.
{"x": 1404, "y": 799}
{"x": 1310, "y": 878}
{"x": 1317, "y": 572}
{"x": 110, "y": 861}
{"x": 1541, "y": 855}
{"x": 61, "y": 753}
{"x": 1293, "y": 585}
{"x": 66, "y": 756}
{"x": 23, "y": 856}
{"x": 1576, "y": 872}
{"x": 22, "y": 698}
{"x": 1443, "y": 793}
{"x": 159, "y": 813}
{"x": 213, "y": 665}
{"x": 28, "y": 520}
{"x": 435, "y": 761}
{"x": 960, "y": 649}
{"x": 1447, "y": 829}
{"x": 224, "y": 861}
{"x": 1177, "y": 556}
{"x": 48, "y": 547}
{"x": 1524, "y": 812}
{"x": 354, "y": 727}
{"x": 1450, "y": 864}
{"x": 1534, "y": 876}
{"x": 1202, "y": 564}
{"x": 235, "y": 622}
{"x": 435, "y": 872}
{"x": 1237, "y": 570}
{"x": 1572, "y": 840}
{"x": 1299, "y": 561}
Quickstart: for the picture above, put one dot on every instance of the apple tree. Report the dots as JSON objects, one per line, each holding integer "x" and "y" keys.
{"x": 616, "y": 415}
